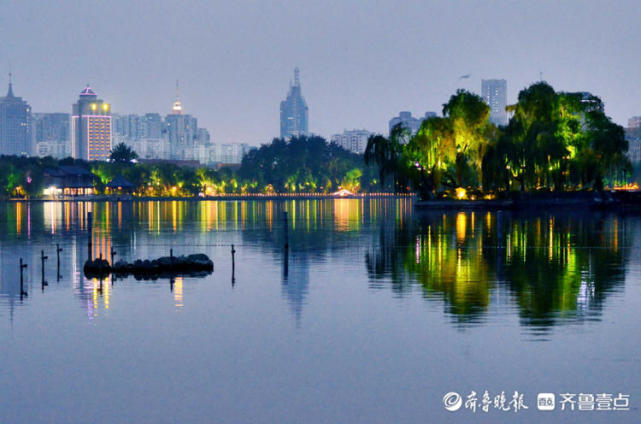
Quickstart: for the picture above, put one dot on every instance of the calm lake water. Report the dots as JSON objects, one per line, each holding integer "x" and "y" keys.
{"x": 374, "y": 314}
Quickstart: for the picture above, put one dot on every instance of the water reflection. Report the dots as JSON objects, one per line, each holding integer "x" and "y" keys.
{"x": 552, "y": 268}
{"x": 547, "y": 268}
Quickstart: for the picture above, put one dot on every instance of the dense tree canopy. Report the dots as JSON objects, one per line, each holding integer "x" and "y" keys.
{"x": 553, "y": 141}
{"x": 302, "y": 164}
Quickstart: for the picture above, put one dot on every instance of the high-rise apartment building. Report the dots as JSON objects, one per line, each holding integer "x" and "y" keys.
{"x": 52, "y": 132}
{"x": 90, "y": 127}
{"x": 182, "y": 133}
{"x": 15, "y": 125}
{"x": 352, "y": 140}
{"x": 294, "y": 111}
{"x": 409, "y": 122}
{"x": 634, "y": 122}
{"x": 494, "y": 92}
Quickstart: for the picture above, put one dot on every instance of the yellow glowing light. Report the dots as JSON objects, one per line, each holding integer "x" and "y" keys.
{"x": 629, "y": 186}
{"x": 52, "y": 191}
{"x": 93, "y": 106}
{"x": 461, "y": 193}
{"x": 105, "y": 107}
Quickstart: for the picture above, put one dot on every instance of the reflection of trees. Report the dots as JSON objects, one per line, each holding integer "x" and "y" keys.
{"x": 553, "y": 266}
{"x": 562, "y": 266}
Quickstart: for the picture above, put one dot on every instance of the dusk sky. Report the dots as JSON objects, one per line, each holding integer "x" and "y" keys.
{"x": 361, "y": 61}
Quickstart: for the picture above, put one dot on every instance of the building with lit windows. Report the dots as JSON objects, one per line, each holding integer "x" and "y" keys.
{"x": 494, "y": 92}
{"x": 90, "y": 127}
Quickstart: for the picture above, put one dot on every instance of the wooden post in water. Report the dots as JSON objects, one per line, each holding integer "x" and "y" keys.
{"x": 43, "y": 258}
{"x": 286, "y": 229}
{"x": 22, "y": 292}
{"x": 233, "y": 266}
{"x": 113, "y": 253}
{"x": 286, "y": 241}
{"x": 89, "y": 231}
{"x": 58, "y": 250}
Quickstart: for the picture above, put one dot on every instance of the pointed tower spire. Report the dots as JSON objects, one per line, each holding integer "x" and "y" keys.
{"x": 296, "y": 77}
{"x": 10, "y": 92}
{"x": 178, "y": 107}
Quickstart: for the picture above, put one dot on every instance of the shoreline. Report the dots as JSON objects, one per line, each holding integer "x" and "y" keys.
{"x": 609, "y": 200}
{"x": 230, "y": 197}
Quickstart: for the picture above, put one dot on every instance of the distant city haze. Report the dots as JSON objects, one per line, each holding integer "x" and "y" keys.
{"x": 361, "y": 62}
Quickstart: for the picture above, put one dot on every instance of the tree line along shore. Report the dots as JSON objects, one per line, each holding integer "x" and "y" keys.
{"x": 554, "y": 142}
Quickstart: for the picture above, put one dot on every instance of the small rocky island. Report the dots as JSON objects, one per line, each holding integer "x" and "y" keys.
{"x": 197, "y": 264}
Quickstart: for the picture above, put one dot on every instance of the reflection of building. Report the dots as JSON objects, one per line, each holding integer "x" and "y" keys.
{"x": 90, "y": 127}
{"x": 494, "y": 92}
{"x": 15, "y": 124}
{"x": 409, "y": 122}
{"x": 294, "y": 111}
{"x": 295, "y": 283}
{"x": 354, "y": 140}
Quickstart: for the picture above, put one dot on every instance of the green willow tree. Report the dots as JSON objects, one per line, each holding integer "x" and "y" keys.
{"x": 556, "y": 141}
{"x": 469, "y": 119}
{"x": 387, "y": 154}
{"x": 449, "y": 151}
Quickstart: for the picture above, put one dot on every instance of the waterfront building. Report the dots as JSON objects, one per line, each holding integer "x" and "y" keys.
{"x": 90, "y": 127}
{"x": 52, "y": 134}
{"x": 494, "y": 92}
{"x": 408, "y": 121}
{"x": 353, "y": 140}
{"x": 294, "y": 111}
{"x": 15, "y": 124}
{"x": 69, "y": 181}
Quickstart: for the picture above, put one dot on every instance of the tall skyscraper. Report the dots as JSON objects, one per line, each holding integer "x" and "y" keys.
{"x": 90, "y": 127}
{"x": 15, "y": 124}
{"x": 494, "y": 92}
{"x": 182, "y": 132}
{"x": 293, "y": 111}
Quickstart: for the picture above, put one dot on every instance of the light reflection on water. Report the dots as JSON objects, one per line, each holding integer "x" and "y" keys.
{"x": 549, "y": 277}
{"x": 552, "y": 269}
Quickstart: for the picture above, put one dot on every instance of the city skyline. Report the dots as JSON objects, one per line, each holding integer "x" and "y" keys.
{"x": 358, "y": 72}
